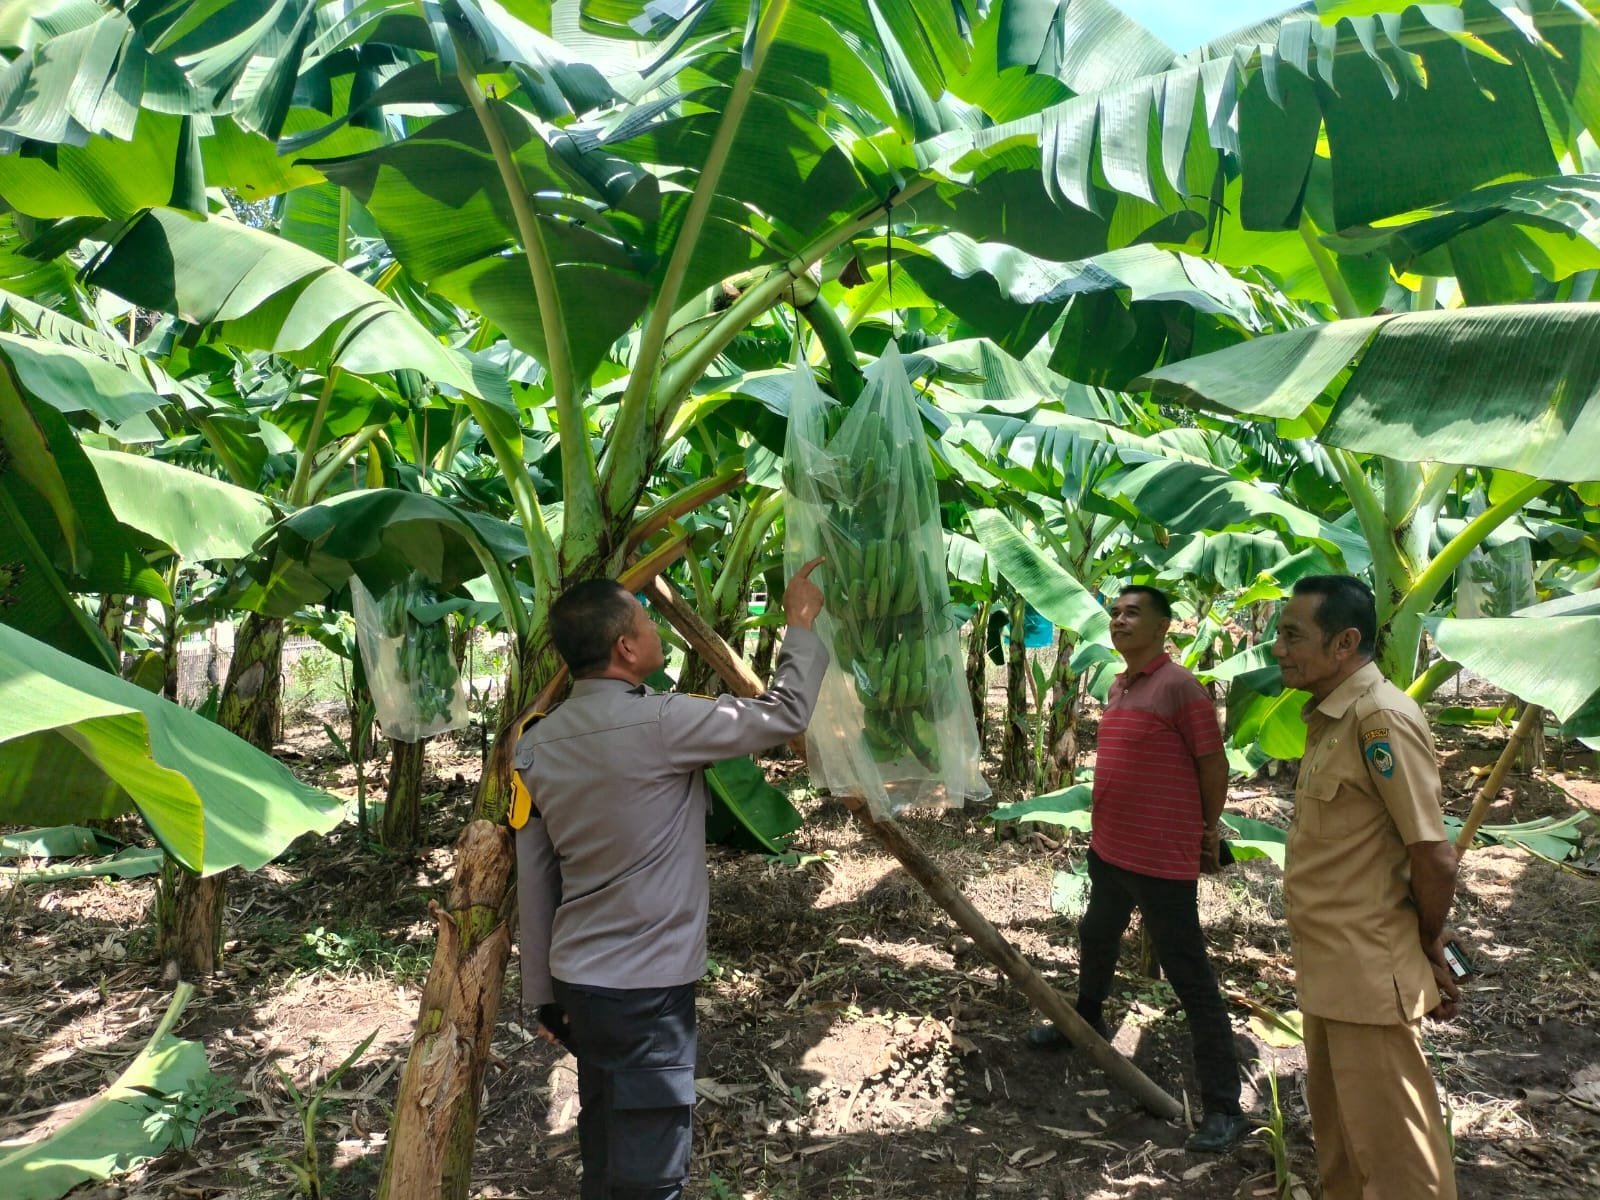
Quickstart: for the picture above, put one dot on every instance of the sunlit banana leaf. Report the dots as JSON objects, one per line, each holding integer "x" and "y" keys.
{"x": 1255, "y": 839}
{"x": 1556, "y": 838}
{"x": 1068, "y": 807}
{"x": 1549, "y": 661}
{"x": 262, "y": 292}
{"x": 1271, "y": 722}
{"x": 78, "y": 744}
{"x": 134, "y": 862}
{"x": 1514, "y": 386}
{"x": 1235, "y": 559}
{"x": 1552, "y": 224}
{"x": 1044, "y": 583}
{"x": 196, "y": 517}
{"x": 1188, "y": 497}
{"x": 114, "y": 1133}
{"x": 58, "y": 536}
{"x": 1409, "y": 118}
{"x": 57, "y": 841}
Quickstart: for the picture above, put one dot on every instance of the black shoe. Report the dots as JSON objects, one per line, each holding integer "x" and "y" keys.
{"x": 1218, "y": 1132}
{"x": 1048, "y": 1037}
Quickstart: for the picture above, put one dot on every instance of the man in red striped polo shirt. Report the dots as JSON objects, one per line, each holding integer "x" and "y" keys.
{"x": 1160, "y": 781}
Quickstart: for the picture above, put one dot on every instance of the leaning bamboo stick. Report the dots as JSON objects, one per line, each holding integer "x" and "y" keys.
{"x": 893, "y": 837}
{"x": 1531, "y": 717}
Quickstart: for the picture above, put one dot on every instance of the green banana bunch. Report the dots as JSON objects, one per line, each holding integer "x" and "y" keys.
{"x": 874, "y": 501}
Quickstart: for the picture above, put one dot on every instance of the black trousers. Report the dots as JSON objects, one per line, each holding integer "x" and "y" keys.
{"x": 635, "y": 1049}
{"x": 1172, "y": 915}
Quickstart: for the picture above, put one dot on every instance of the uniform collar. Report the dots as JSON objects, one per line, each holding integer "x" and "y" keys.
{"x": 1337, "y": 702}
{"x": 1150, "y": 668}
{"x": 584, "y": 687}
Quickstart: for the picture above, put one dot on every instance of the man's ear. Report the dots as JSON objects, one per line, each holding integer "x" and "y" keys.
{"x": 1348, "y": 641}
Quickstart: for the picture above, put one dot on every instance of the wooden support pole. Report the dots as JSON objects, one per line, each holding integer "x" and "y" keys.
{"x": 893, "y": 837}
{"x": 1532, "y": 716}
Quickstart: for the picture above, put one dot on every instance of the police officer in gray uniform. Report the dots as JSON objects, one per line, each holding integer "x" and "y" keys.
{"x": 611, "y": 870}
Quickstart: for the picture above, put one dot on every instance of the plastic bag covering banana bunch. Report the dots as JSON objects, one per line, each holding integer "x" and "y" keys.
{"x": 894, "y": 721}
{"x": 417, "y": 690}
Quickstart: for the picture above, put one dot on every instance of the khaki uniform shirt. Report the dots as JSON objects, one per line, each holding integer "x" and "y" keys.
{"x": 611, "y": 866}
{"x": 1368, "y": 788}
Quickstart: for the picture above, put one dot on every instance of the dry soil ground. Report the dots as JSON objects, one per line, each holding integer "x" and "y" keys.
{"x": 852, "y": 1043}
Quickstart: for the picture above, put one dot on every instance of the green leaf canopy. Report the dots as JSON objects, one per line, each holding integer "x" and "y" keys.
{"x": 1513, "y": 386}
{"x": 379, "y": 534}
{"x": 1045, "y": 584}
{"x": 77, "y": 743}
{"x": 264, "y": 293}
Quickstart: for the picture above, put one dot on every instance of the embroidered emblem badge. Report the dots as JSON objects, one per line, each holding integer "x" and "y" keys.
{"x": 1373, "y": 735}
{"x": 1382, "y": 758}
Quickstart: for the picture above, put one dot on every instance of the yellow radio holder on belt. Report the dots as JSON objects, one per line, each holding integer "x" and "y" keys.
{"x": 521, "y": 797}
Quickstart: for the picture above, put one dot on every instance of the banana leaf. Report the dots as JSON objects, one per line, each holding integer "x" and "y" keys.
{"x": 1549, "y": 661}
{"x": 133, "y": 862}
{"x": 1271, "y": 722}
{"x": 1555, "y": 838}
{"x": 1255, "y": 839}
{"x": 58, "y": 841}
{"x": 262, "y": 292}
{"x": 58, "y": 536}
{"x": 381, "y": 535}
{"x": 115, "y": 1132}
{"x": 81, "y": 744}
{"x": 1044, "y": 583}
{"x": 747, "y": 811}
{"x": 1513, "y": 386}
{"x": 1067, "y": 807}
{"x": 196, "y": 517}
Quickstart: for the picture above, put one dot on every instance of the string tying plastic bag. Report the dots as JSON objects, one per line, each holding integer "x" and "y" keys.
{"x": 894, "y": 722}
{"x": 416, "y": 686}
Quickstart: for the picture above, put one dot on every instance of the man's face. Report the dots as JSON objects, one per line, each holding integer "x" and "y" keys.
{"x": 642, "y": 643}
{"x": 1309, "y": 659}
{"x": 1136, "y": 626}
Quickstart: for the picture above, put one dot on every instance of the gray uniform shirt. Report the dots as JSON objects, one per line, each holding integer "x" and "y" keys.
{"x": 611, "y": 868}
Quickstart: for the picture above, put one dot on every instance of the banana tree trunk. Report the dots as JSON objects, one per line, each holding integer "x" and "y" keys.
{"x": 434, "y": 1129}
{"x": 698, "y": 676}
{"x": 402, "y": 811}
{"x": 766, "y": 647}
{"x": 169, "y": 651}
{"x": 978, "y": 673}
{"x": 189, "y": 913}
{"x": 189, "y": 909}
{"x": 254, "y": 686}
{"x": 1017, "y": 763}
{"x": 1061, "y": 744}
{"x": 113, "y": 611}
{"x": 435, "y": 1120}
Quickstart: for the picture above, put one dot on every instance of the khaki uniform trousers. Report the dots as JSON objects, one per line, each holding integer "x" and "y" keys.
{"x": 1375, "y": 1113}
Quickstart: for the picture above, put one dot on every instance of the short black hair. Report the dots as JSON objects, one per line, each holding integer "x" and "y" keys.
{"x": 1159, "y": 600}
{"x": 585, "y": 622}
{"x": 1346, "y": 603}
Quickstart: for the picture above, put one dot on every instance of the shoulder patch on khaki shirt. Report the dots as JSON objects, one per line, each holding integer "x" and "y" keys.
{"x": 1372, "y": 735}
{"x": 1381, "y": 756}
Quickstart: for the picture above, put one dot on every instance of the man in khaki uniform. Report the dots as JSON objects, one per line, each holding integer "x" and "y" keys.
{"x": 1368, "y": 884}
